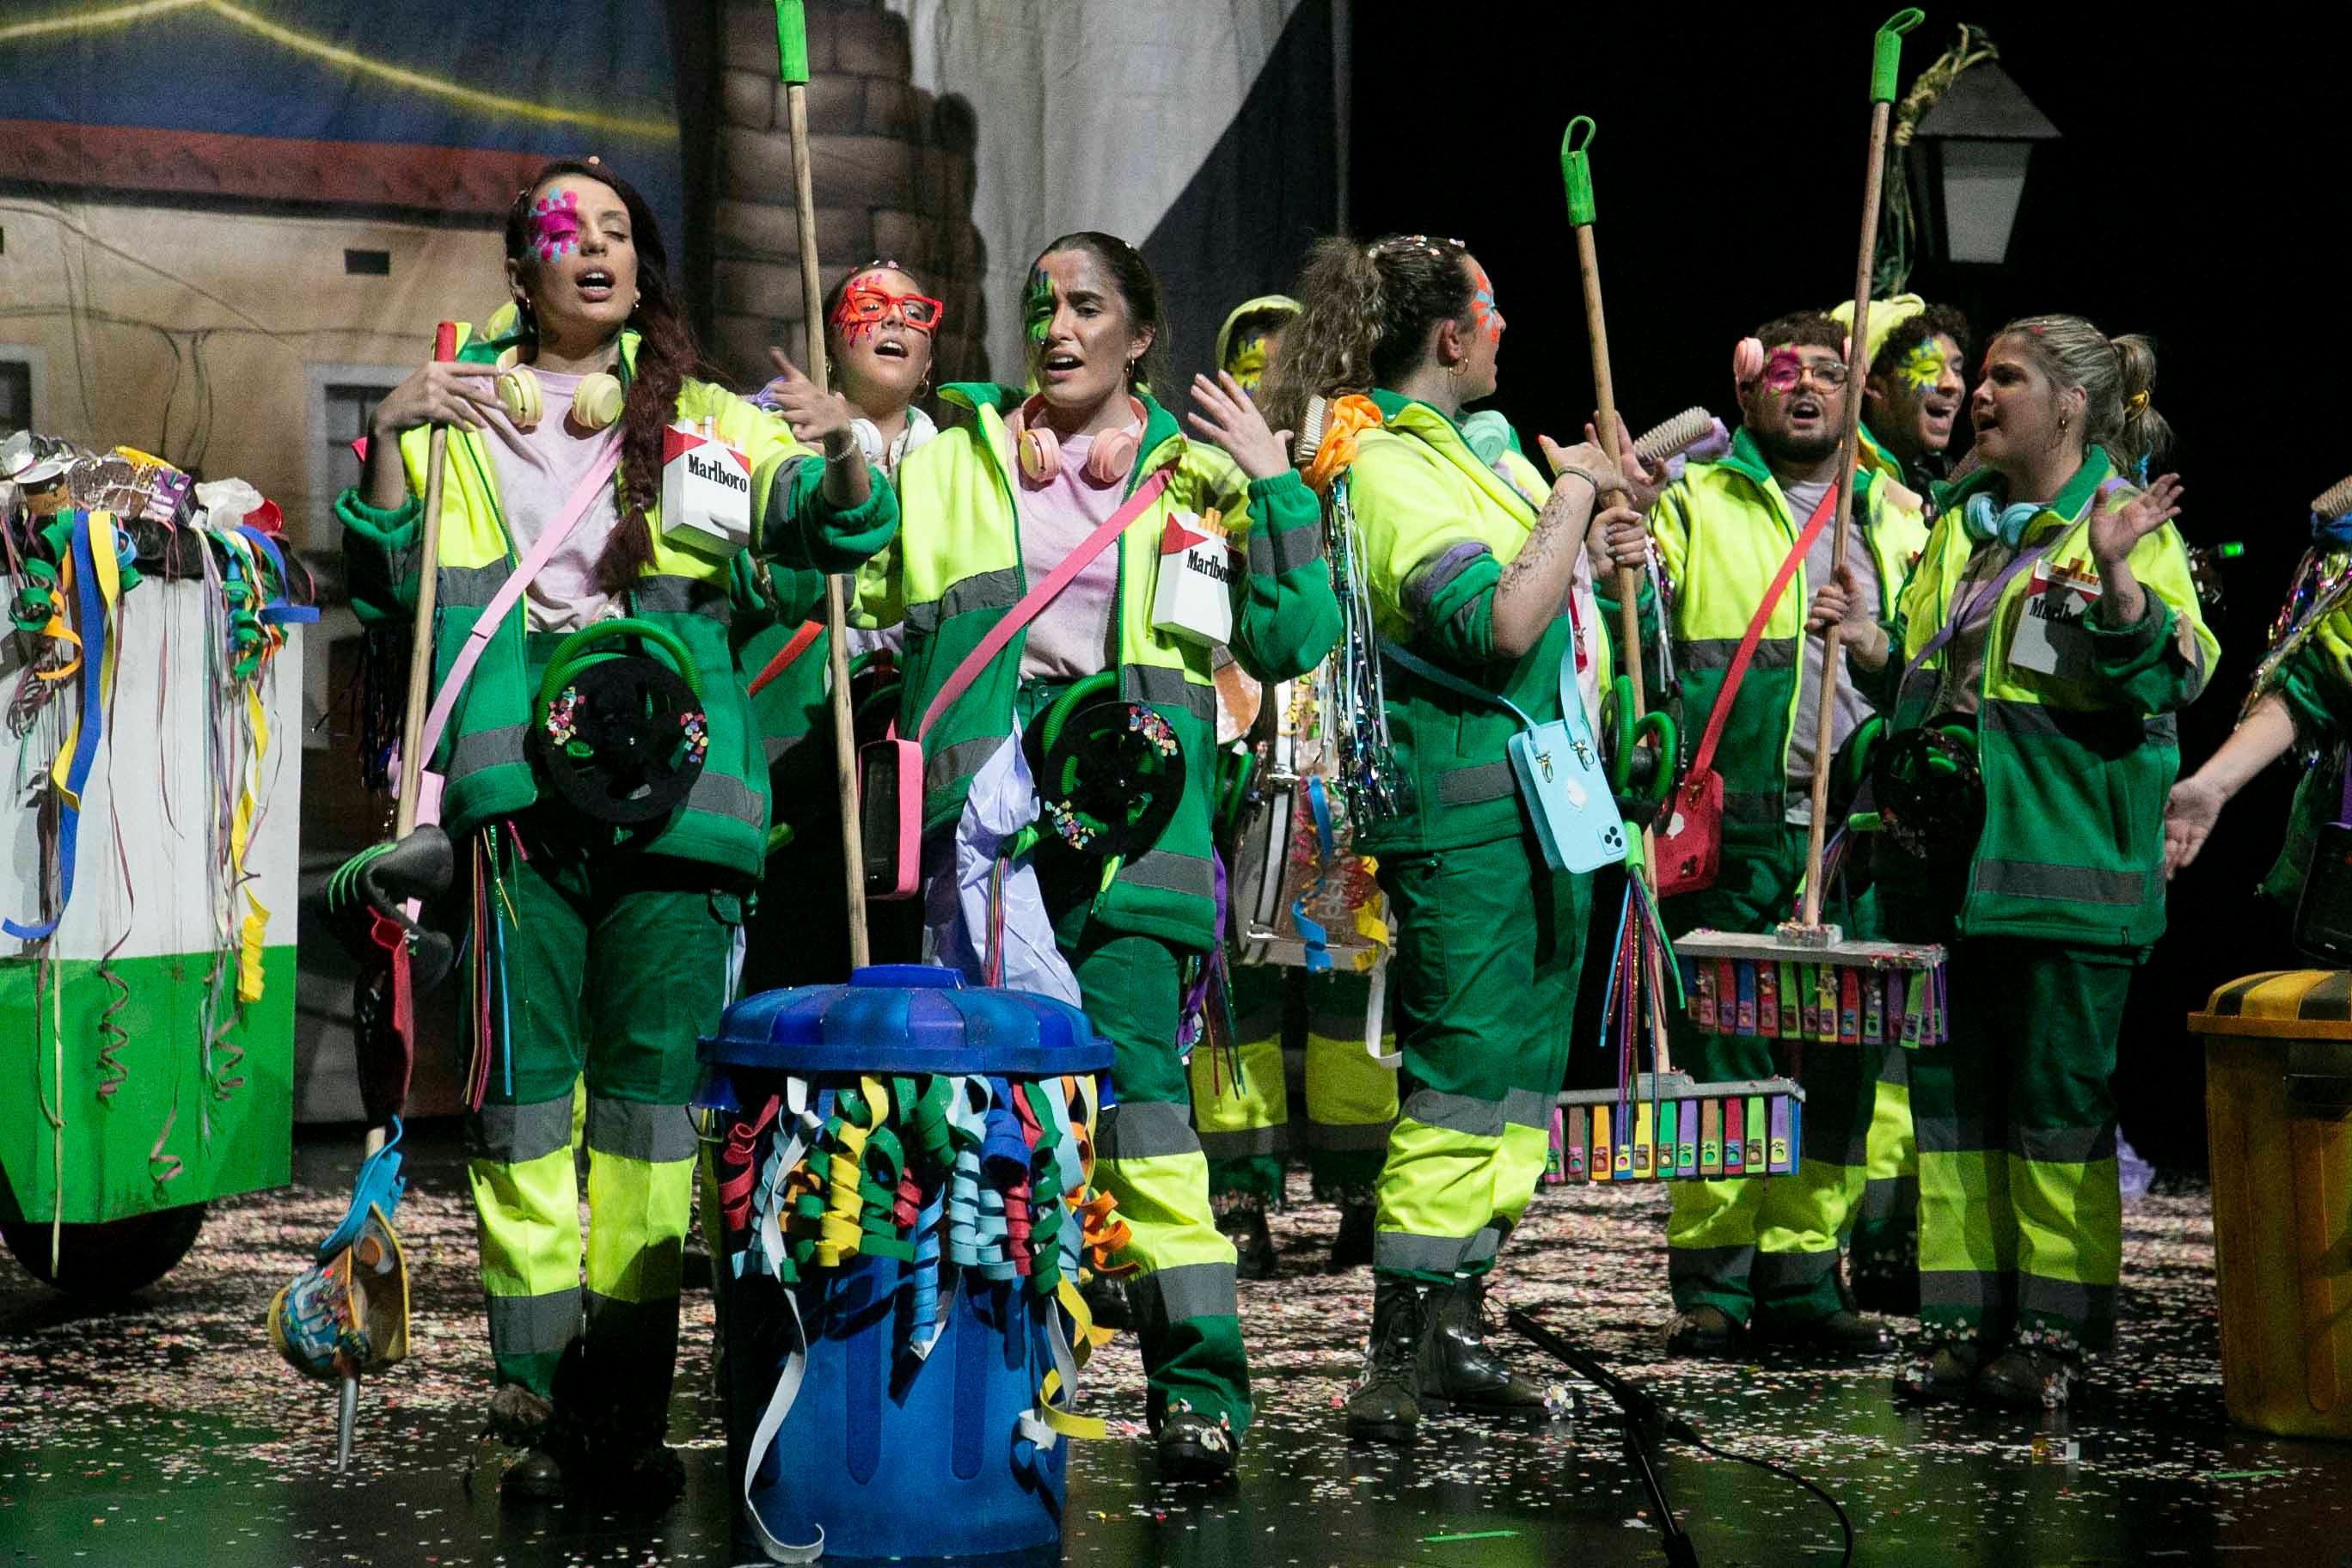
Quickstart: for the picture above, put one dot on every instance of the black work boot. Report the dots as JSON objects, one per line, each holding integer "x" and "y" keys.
{"x": 1455, "y": 1366}
{"x": 557, "y": 1466}
{"x": 1382, "y": 1407}
{"x": 1244, "y": 1224}
{"x": 1195, "y": 1449}
{"x": 1354, "y": 1247}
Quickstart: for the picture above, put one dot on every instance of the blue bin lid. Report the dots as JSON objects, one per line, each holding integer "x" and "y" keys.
{"x": 907, "y": 1018}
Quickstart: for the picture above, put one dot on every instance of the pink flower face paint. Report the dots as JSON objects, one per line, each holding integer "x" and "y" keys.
{"x": 555, "y": 224}
{"x": 1482, "y": 314}
{"x": 1783, "y": 370}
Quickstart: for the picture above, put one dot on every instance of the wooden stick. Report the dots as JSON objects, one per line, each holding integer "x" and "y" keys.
{"x": 1887, "y": 48}
{"x": 420, "y": 647}
{"x": 420, "y": 643}
{"x": 836, "y": 620}
{"x": 1576, "y": 172}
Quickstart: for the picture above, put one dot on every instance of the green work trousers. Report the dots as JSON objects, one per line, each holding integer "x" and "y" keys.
{"x": 602, "y": 964}
{"x": 1188, "y": 1323}
{"x": 1490, "y": 946}
{"x": 1768, "y": 1246}
{"x": 1884, "y": 1245}
{"x": 1243, "y": 1108}
{"x": 2021, "y": 1221}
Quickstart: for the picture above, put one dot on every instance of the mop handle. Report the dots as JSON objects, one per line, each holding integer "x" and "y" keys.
{"x": 791, "y": 70}
{"x": 1885, "y": 64}
{"x": 420, "y": 639}
{"x": 1576, "y": 174}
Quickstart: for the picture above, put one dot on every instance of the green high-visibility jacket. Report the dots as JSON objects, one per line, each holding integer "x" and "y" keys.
{"x": 2076, "y": 772}
{"x": 684, "y": 590}
{"x": 1438, "y": 527}
{"x": 1722, "y": 530}
{"x": 958, "y": 569}
{"x": 2315, "y": 681}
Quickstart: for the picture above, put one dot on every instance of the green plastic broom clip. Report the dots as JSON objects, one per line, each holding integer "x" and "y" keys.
{"x": 1886, "y": 52}
{"x": 792, "y": 43}
{"x": 1576, "y": 169}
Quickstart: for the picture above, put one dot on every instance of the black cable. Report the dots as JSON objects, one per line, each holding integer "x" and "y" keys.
{"x": 1846, "y": 1525}
{"x": 1645, "y": 1418}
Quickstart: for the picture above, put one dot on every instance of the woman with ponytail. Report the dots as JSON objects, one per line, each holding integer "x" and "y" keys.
{"x": 603, "y": 931}
{"x": 1480, "y": 577}
{"x": 1108, "y": 904}
{"x": 2033, "y": 666}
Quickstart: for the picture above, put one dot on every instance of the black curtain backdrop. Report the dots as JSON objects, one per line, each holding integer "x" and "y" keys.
{"x": 1259, "y": 200}
{"x": 2191, "y": 197}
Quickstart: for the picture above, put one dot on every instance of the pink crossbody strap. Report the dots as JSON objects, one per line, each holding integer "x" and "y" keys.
{"x": 477, "y": 640}
{"x": 1039, "y": 596}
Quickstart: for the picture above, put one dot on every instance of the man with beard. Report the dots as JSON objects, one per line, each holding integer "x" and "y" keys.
{"x": 1752, "y": 1256}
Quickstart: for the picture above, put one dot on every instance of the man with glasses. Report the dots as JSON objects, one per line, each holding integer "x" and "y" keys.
{"x": 1753, "y": 1256}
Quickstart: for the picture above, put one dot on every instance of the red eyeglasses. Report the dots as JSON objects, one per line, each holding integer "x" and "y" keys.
{"x": 863, "y": 305}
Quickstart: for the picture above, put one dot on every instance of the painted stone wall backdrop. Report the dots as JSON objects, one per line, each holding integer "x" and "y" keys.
{"x": 890, "y": 167}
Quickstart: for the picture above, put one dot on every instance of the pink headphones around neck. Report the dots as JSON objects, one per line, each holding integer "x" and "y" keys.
{"x": 1107, "y": 461}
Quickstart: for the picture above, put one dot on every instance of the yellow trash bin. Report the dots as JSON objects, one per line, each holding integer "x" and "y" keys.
{"x": 2278, "y": 1089}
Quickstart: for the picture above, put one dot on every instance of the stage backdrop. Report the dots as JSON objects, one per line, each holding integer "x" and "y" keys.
{"x": 222, "y": 225}
{"x": 1202, "y": 132}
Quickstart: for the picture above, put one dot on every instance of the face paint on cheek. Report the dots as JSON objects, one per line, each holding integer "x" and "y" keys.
{"x": 555, "y": 224}
{"x": 846, "y": 317}
{"x": 1482, "y": 314}
{"x": 1923, "y": 367}
{"x": 1038, "y": 304}
{"x": 1781, "y": 371}
{"x": 1247, "y": 364}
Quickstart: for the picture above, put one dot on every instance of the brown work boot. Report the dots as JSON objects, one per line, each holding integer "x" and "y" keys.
{"x": 1703, "y": 1333}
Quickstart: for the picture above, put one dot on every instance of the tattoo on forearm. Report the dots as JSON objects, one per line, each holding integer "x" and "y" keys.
{"x": 1559, "y": 515}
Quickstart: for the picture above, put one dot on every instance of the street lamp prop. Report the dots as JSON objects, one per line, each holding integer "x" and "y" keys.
{"x": 1968, "y": 154}
{"x": 1963, "y": 137}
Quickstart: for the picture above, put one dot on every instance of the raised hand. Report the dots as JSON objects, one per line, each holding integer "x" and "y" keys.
{"x": 818, "y": 417}
{"x": 2115, "y": 530}
{"x": 1223, "y": 413}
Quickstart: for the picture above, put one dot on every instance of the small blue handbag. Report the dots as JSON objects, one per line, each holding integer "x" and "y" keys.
{"x": 1562, "y": 782}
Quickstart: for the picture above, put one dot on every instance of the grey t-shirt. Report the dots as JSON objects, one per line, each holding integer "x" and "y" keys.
{"x": 1851, "y": 708}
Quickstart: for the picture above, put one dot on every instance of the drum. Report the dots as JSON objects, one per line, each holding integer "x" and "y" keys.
{"x": 1301, "y": 896}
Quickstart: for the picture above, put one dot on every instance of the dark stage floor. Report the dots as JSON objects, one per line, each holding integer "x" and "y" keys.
{"x": 170, "y": 1432}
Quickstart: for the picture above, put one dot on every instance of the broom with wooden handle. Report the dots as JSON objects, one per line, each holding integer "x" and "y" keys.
{"x": 1886, "y": 58}
{"x": 1827, "y": 988}
{"x": 791, "y": 70}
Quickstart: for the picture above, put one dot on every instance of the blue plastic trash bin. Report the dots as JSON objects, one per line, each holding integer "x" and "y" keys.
{"x": 881, "y": 1451}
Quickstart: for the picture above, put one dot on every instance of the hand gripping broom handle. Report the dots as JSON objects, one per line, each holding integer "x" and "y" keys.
{"x": 420, "y": 641}
{"x": 791, "y": 70}
{"x": 1885, "y": 63}
{"x": 1576, "y": 172}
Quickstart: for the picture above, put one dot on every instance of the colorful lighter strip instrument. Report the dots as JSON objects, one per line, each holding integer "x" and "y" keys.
{"x": 1843, "y": 993}
{"x": 1666, "y": 1127}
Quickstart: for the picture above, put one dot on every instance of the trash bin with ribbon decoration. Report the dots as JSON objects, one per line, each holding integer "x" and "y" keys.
{"x": 2278, "y": 1110}
{"x": 905, "y": 1175}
